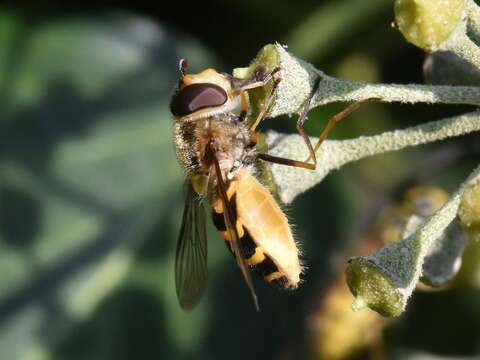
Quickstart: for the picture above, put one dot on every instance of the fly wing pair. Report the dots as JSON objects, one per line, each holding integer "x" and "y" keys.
{"x": 191, "y": 256}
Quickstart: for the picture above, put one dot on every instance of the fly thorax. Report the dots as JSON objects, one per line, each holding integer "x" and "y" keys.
{"x": 242, "y": 153}
{"x": 186, "y": 145}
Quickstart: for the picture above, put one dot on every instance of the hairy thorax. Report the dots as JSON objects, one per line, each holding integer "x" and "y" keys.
{"x": 230, "y": 138}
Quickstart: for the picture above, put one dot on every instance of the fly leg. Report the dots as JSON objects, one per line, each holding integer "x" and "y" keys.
{"x": 312, "y": 149}
{"x": 332, "y": 122}
{"x": 300, "y": 121}
{"x": 259, "y": 80}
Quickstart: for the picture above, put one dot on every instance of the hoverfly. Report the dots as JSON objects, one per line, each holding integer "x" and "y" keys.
{"x": 217, "y": 149}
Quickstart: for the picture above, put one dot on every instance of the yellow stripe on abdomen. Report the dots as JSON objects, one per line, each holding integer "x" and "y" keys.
{"x": 273, "y": 276}
{"x": 254, "y": 255}
{"x": 257, "y": 257}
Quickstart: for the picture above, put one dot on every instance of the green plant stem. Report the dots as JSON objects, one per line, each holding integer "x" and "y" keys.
{"x": 299, "y": 77}
{"x": 334, "y": 90}
{"x": 460, "y": 44}
{"x": 473, "y": 21}
{"x": 394, "y": 270}
{"x": 334, "y": 154}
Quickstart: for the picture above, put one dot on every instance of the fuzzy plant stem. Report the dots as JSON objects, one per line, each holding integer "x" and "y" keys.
{"x": 461, "y": 44}
{"x": 334, "y": 90}
{"x": 386, "y": 279}
{"x": 335, "y": 153}
{"x": 299, "y": 78}
{"x": 473, "y": 21}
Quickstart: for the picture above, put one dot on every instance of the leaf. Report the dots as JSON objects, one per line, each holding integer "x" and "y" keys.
{"x": 87, "y": 167}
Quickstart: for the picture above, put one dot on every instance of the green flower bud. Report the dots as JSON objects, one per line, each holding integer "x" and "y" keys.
{"x": 295, "y": 87}
{"x": 428, "y": 23}
{"x": 268, "y": 59}
{"x": 469, "y": 210}
{"x": 373, "y": 288}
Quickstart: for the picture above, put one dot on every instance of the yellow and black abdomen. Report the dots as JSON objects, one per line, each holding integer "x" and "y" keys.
{"x": 265, "y": 238}
{"x": 253, "y": 254}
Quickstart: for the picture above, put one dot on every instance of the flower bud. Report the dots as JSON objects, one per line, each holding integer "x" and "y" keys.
{"x": 428, "y": 23}
{"x": 469, "y": 210}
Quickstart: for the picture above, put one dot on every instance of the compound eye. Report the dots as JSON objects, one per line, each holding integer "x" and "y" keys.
{"x": 195, "y": 97}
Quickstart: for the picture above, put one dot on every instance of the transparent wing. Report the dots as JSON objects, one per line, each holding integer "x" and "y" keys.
{"x": 191, "y": 258}
{"x": 230, "y": 224}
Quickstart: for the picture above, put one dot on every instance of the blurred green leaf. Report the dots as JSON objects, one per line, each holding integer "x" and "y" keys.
{"x": 86, "y": 167}
{"x": 331, "y": 25}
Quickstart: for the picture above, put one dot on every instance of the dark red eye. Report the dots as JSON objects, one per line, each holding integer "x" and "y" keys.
{"x": 195, "y": 97}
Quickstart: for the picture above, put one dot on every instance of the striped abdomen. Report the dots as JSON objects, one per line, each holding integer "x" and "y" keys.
{"x": 264, "y": 234}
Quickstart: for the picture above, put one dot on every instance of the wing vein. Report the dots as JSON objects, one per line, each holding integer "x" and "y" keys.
{"x": 191, "y": 257}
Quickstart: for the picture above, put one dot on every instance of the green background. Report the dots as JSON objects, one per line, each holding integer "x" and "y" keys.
{"x": 91, "y": 193}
